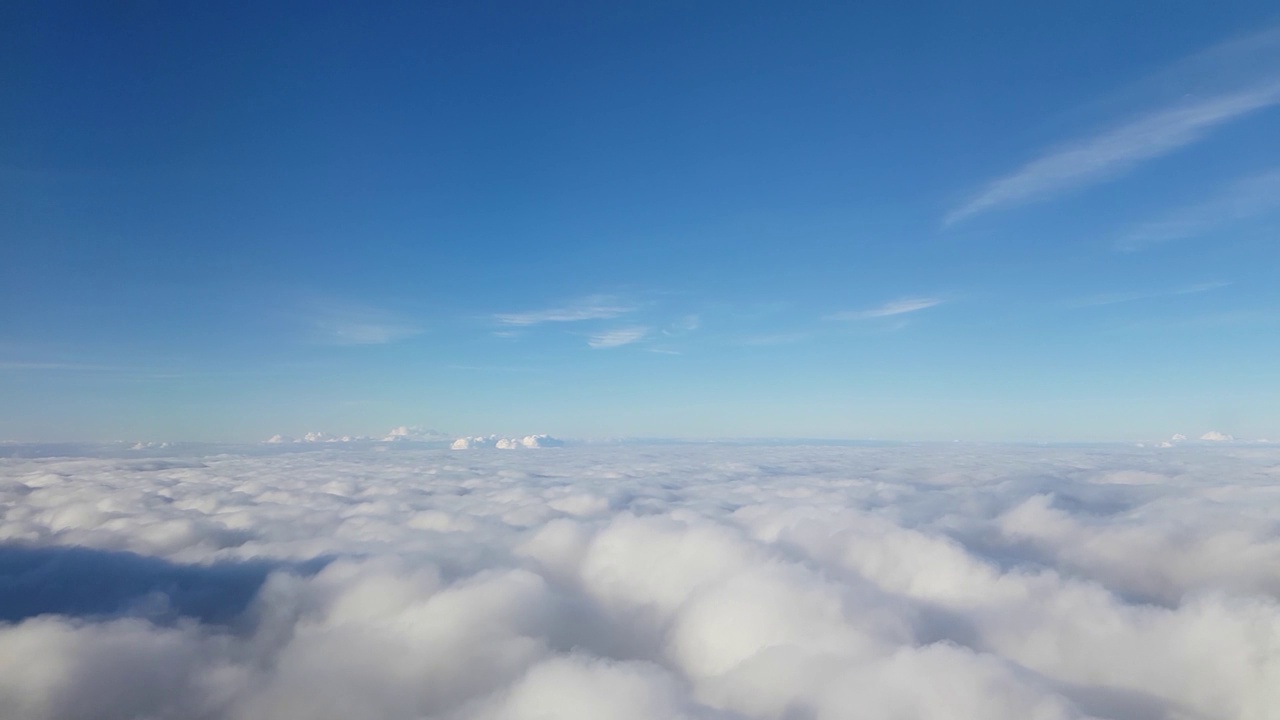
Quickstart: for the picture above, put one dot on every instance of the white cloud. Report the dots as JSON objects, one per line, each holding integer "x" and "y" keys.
{"x": 406, "y": 433}
{"x": 596, "y": 307}
{"x": 501, "y": 443}
{"x": 1215, "y": 436}
{"x": 1253, "y": 197}
{"x": 1232, "y": 80}
{"x": 1117, "y": 298}
{"x": 396, "y": 581}
{"x": 1116, "y": 151}
{"x": 684, "y": 325}
{"x": 889, "y": 309}
{"x": 617, "y": 337}
{"x": 350, "y": 324}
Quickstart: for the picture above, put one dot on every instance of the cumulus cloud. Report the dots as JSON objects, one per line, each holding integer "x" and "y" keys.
{"x": 407, "y": 433}
{"x": 396, "y": 580}
{"x": 502, "y": 443}
{"x": 1215, "y": 436}
{"x": 402, "y": 433}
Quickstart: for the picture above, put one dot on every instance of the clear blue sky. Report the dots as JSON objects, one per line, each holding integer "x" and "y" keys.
{"x": 1010, "y": 220}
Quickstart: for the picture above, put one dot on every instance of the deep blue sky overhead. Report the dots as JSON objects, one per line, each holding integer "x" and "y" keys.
{"x": 995, "y": 221}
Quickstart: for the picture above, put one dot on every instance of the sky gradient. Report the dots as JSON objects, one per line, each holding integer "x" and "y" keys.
{"x": 892, "y": 221}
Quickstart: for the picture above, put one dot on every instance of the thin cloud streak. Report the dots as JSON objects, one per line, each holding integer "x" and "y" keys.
{"x": 598, "y": 307}
{"x": 889, "y": 309}
{"x": 117, "y": 372}
{"x": 1116, "y": 298}
{"x": 618, "y": 337}
{"x": 348, "y": 324}
{"x": 1114, "y": 152}
{"x": 23, "y": 365}
{"x": 1251, "y": 197}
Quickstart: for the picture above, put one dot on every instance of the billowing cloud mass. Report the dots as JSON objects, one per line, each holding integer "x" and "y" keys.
{"x": 501, "y": 443}
{"x": 392, "y": 580}
{"x": 1215, "y": 436}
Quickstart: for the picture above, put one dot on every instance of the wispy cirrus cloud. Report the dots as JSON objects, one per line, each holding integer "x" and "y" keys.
{"x": 617, "y": 337}
{"x": 1245, "y": 79}
{"x": 889, "y": 309}
{"x": 1116, "y": 298}
{"x": 351, "y": 324}
{"x": 683, "y": 326}
{"x": 54, "y": 365}
{"x": 1252, "y": 197}
{"x": 1116, "y": 151}
{"x": 595, "y": 307}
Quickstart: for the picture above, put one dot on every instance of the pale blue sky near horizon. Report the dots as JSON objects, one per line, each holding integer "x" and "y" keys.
{"x": 900, "y": 221}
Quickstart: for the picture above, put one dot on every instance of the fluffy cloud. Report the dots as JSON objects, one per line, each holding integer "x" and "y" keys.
{"x": 501, "y": 443}
{"x": 403, "y": 433}
{"x": 406, "y": 433}
{"x": 398, "y": 580}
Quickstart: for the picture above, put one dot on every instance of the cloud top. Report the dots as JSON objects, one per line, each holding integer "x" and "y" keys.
{"x": 722, "y": 582}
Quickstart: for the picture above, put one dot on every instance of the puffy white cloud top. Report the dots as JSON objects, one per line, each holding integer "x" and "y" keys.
{"x": 638, "y": 582}
{"x": 1215, "y": 436}
{"x": 403, "y": 433}
{"x": 493, "y": 441}
{"x": 406, "y": 433}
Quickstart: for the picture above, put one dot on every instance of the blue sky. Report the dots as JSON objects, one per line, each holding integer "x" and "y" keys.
{"x": 1001, "y": 221}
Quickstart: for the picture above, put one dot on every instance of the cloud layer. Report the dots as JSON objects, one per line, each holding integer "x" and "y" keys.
{"x": 631, "y": 582}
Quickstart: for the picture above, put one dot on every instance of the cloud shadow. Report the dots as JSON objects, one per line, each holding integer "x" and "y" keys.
{"x": 88, "y": 583}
